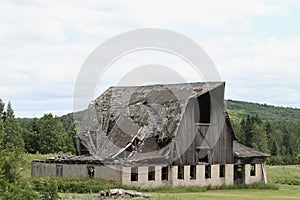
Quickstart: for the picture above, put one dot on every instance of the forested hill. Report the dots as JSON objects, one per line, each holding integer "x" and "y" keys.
{"x": 238, "y": 110}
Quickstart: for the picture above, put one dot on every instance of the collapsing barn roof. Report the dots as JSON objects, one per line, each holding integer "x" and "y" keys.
{"x": 137, "y": 123}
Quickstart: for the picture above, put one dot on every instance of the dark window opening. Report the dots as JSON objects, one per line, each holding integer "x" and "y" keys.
{"x": 252, "y": 170}
{"x": 164, "y": 173}
{"x": 91, "y": 171}
{"x": 134, "y": 174}
{"x": 59, "y": 170}
{"x": 207, "y": 171}
{"x": 180, "y": 174}
{"x": 151, "y": 173}
{"x": 203, "y": 114}
{"x": 193, "y": 172}
{"x": 222, "y": 171}
{"x": 203, "y": 159}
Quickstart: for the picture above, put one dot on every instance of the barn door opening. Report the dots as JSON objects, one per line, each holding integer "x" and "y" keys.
{"x": 239, "y": 174}
{"x": 203, "y": 111}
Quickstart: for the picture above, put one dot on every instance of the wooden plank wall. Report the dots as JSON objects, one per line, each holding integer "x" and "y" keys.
{"x": 218, "y": 133}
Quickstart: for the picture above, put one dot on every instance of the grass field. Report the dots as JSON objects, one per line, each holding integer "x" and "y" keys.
{"x": 285, "y": 192}
{"x": 284, "y": 174}
{"x": 287, "y": 178}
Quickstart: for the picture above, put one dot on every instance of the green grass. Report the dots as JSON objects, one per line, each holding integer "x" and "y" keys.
{"x": 284, "y": 174}
{"x": 290, "y": 192}
{"x": 234, "y": 194}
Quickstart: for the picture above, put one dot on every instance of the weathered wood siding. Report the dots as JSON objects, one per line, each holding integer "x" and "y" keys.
{"x": 215, "y": 136}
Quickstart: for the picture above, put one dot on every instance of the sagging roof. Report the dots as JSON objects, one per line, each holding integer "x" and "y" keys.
{"x": 242, "y": 151}
{"x": 124, "y": 121}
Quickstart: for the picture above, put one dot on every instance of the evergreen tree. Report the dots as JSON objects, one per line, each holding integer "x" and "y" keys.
{"x": 12, "y": 134}
{"x": 1, "y": 133}
{"x": 1, "y": 107}
{"x": 286, "y": 143}
{"x": 9, "y": 110}
{"x": 260, "y": 138}
{"x": 248, "y": 131}
{"x": 12, "y": 186}
{"x": 274, "y": 149}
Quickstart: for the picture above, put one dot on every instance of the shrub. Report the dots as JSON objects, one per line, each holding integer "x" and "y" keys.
{"x": 19, "y": 191}
{"x": 76, "y": 185}
{"x": 47, "y": 188}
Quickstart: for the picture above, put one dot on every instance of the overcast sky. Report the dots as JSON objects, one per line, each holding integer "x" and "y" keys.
{"x": 255, "y": 46}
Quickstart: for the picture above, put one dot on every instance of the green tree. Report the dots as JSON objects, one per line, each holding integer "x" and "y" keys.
{"x": 12, "y": 185}
{"x": 2, "y": 104}
{"x": 238, "y": 130}
{"x": 70, "y": 141}
{"x": 31, "y": 135}
{"x": 274, "y": 149}
{"x": 9, "y": 110}
{"x": 260, "y": 138}
{"x": 248, "y": 131}
{"x": 52, "y": 136}
{"x": 12, "y": 136}
{"x": 286, "y": 144}
{"x": 2, "y": 135}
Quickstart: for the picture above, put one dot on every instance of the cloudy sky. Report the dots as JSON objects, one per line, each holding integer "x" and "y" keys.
{"x": 255, "y": 46}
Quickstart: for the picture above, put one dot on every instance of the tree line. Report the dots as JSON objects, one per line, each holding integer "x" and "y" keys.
{"x": 280, "y": 139}
{"x": 20, "y": 136}
{"x": 38, "y": 135}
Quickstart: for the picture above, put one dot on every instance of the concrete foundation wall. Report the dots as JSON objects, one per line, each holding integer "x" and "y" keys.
{"x": 173, "y": 176}
{"x": 215, "y": 176}
{"x": 108, "y": 172}
{"x": 229, "y": 174}
{"x": 258, "y": 174}
{"x": 143, "y": 177}
{"x": 76, "y": 170}
{"x": 123, "y": 174}
{"x": 43, "y": 169}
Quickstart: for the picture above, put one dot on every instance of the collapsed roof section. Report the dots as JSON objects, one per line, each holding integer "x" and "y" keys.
{"x": 137, "y": 123}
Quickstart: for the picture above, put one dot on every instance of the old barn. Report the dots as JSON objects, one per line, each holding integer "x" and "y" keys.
{"x": 150, "y": 136}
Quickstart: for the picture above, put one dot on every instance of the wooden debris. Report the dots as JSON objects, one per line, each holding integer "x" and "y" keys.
{"x": 113, "y": 193}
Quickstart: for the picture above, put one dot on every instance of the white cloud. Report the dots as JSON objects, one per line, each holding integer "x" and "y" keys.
{"x": 44, "y": 43}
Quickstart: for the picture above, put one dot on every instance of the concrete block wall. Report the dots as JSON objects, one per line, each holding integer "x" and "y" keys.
{"x": 107, "y": 172}
{"x": 229, "y": 174}
{"x": 143, "y": 177}
{"x": 76, "y": 170}
{"x": 200, "y": 176}
{"x": 43, "y": 169}
{"x": 258, "y": 174}
{"x": 173, "y": 176}
{"x": 215, "y": 176}
{"x": 123, "y": 174}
